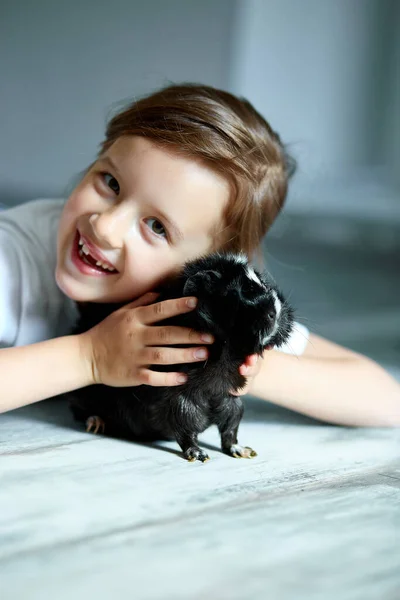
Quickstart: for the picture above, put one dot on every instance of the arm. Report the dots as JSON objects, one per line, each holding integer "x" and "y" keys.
{"x": 116, "y": 352}
{"x": 42, "y": 370}
{"x": 330, "y": 383}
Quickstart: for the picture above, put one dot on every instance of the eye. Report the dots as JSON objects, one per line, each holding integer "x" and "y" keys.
{"x": 250, "y": 287}
{"x": 111, "y": 182}
{"x": 157, "y": 227}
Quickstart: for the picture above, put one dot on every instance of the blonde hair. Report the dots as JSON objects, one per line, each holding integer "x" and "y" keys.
{"x": 228, "y": 135}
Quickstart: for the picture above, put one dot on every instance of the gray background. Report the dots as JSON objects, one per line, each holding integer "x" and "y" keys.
{"x": 67, "y": 65}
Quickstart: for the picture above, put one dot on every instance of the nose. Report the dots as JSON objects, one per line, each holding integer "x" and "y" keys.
{"x": 112, "y": 226}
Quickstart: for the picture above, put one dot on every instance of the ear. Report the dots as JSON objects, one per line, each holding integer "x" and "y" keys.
{"x": 201, "y": 280}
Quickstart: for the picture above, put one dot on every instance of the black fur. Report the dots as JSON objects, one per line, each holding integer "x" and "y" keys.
{"x": 240, "y": 313}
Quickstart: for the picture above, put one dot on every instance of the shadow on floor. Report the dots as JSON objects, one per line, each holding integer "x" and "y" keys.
{"x": 56, "y": 412}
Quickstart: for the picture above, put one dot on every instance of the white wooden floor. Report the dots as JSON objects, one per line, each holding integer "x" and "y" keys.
{"x": 315, "y": 515}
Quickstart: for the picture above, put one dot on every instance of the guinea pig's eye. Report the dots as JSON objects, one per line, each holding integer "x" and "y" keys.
{"x": 249, "y": 287}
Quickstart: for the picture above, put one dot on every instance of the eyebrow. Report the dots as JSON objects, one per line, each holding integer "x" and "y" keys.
{"x": 173, "y": 226}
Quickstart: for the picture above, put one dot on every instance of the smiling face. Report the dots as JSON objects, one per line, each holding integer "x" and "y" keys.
{"x": 143, "y": 212}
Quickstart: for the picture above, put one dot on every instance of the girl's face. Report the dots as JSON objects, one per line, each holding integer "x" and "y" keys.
{"x": 147, "y": 211}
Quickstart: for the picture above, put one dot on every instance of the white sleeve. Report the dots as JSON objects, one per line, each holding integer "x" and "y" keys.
{"x": 297, "y": 341}
{"x": 10, "y": 291}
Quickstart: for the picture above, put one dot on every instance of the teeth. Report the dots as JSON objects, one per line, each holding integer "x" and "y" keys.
{"x": 104, "y": 266}
{"x": 85, "y": 250}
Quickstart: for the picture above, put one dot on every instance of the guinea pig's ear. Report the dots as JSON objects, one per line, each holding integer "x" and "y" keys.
{"x": 211, "y": 277}
{"x": 203, "y": 280}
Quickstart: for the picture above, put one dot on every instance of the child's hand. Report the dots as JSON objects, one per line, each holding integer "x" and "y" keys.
{"x": 249, "y": 369}
{"x": 120, "y": 349}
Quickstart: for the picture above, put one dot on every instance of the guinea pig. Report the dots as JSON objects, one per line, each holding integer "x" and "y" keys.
{"x": 244, "y": 311}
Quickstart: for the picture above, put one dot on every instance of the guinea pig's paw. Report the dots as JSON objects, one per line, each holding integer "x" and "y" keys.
{"x": 238, "y": 451}
{"x": 194, "y": 453}
{"x": 95, "y": 425}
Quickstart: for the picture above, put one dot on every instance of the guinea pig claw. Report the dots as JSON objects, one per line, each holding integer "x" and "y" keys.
{"x": 95, "y": 424}
{"x": 238, "y": 451}
{"x": 193, "y": 454}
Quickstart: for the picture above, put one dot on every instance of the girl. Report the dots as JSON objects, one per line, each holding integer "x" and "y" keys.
{"x": 185, "y": 171}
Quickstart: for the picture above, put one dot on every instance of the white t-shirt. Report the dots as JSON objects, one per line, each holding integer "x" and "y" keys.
{"x": 32, "y": 307}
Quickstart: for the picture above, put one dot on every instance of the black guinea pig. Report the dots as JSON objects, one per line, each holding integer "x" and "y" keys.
{"x": 244, "y": 311}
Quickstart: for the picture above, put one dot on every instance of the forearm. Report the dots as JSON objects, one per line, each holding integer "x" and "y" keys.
{"x": 354, "y": 391}
{"x": 38, "y": 371}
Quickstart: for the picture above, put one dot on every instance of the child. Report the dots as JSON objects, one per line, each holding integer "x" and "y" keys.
{"x": 185, "y": 171}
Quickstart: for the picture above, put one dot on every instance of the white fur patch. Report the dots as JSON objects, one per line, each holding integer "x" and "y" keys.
{"x": 278, "y": 309}
{"x": 240, "y": 259}
{"x": 277, "y": 304}
{"x": 252, "y": 275}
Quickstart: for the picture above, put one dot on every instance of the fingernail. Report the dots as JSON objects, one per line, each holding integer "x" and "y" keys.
{"x": 191, "y": 302}
{"x": 206, "y": 337}
{"x": 200, "y": 353}
{"x": 181, "y": 378}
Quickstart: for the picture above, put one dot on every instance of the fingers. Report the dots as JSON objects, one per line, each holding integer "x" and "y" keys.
{"x": 170, "y": 334}
{"x": 249, "y": 369}
{"x": 172, "y": 356}
{"x": 163, "y": 310}
{"x": 158, "y": 379}
{"x": 143, "y": 300}
{"x": 251, "y": 366}
{"x": 251, "y": 360}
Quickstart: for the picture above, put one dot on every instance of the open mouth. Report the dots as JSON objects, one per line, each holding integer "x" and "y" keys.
{"x": 86, "y": 262}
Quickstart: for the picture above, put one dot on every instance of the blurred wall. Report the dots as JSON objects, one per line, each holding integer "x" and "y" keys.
{"x": 326, "y": 73}
{"x": 318, "y": 69}
{"x": 64, "y": 65}
{"x": 392, "y": 145}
